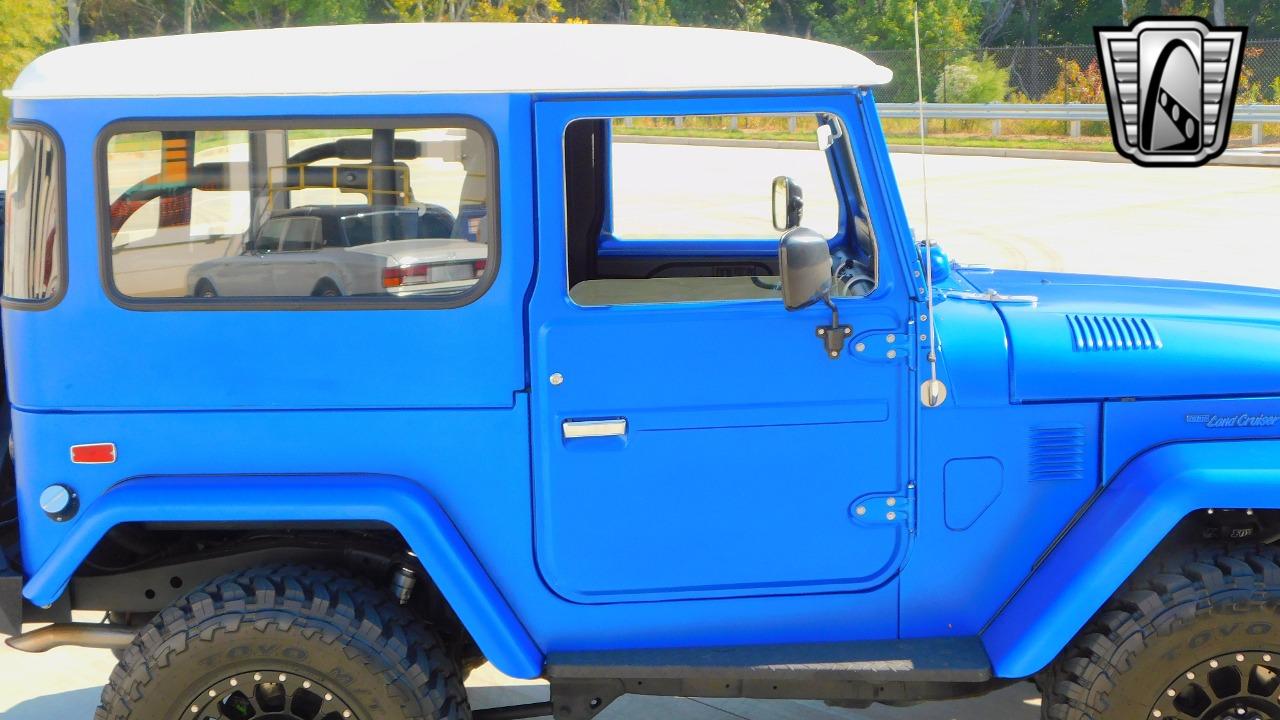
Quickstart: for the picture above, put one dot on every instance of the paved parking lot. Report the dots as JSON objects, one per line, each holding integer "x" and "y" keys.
{"x": 1214, "y": 223}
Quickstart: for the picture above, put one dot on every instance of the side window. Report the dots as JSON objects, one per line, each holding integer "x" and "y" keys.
{"x": 34, "y": 241}
{"x": 269, "y": 237}
{"x": 663, "y": 210}
{"x": 301, "y": 234}
{"x": 719, "y": 187}
{"x": 185, "y": 206}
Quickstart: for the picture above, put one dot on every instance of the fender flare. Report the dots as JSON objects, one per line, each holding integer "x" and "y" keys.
{"x": 1118, "y": 531}
{"x": 396, "y": 501}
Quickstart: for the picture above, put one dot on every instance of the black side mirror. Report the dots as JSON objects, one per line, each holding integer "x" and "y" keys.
{"x": 804, "y": 261}
{"x": 788, "y": 203}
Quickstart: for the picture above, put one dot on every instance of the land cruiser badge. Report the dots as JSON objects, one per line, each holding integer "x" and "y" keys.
{"x": 1170, "y": 85}
{"x": 1241, "y": 420}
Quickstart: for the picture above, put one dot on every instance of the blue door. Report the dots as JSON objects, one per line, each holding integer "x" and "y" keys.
{"x": 692, "y": 437}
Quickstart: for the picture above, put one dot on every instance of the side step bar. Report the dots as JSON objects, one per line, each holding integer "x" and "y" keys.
{"x": 514, "y": 712}
{"x": 853, "y": 674}
{"x": 88, "y": 635}
{"x": 877, "y": 661}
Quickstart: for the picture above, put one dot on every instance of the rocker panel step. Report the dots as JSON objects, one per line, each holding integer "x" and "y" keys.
{"x": 953, "y": 660}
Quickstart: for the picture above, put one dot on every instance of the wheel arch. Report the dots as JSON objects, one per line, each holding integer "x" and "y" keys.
{"x": 1125, "y": 523}
{"x": 397, "y": 502}
{"x": 334, "y": 278}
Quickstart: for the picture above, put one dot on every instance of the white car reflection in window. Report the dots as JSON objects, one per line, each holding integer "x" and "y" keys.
{"x": 331, "y": 251}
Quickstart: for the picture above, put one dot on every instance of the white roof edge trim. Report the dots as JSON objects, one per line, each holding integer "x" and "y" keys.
{"x": 480, "y": 58}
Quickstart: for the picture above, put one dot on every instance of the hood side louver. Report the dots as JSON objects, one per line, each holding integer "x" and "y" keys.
{"x": 1090, "y": 333}
{"x": 1057, "y": 453}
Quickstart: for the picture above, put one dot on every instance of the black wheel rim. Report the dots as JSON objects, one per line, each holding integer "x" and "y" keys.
{"x": 268, "y": 695}
{"x": 1237, "y": 686}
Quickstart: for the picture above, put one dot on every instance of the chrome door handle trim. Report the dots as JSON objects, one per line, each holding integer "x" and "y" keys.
{"x": 613, "y": 427}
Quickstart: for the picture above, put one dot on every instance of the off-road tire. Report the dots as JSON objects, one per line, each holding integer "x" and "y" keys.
{"x": 339, "y": 631}
{"x": 1178, "y": 613}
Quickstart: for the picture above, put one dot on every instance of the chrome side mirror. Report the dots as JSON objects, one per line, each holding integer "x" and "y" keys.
{"x": 804, "y": 262}
{"x": 788, "y": 203}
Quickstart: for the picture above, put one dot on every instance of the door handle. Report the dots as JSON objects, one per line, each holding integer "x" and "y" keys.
{"x": 612, "y": 427}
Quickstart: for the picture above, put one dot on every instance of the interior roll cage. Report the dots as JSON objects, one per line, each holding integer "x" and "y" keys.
{"x": 383, "y": 180}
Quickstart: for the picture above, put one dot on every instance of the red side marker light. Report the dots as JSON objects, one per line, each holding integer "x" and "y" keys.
{"x": 93, "y": 454}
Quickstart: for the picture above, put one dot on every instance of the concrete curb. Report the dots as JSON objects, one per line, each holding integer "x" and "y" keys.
{"x": 1230, "y": 158}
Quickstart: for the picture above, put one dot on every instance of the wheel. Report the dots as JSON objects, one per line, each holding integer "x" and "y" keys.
{"x": 1195, "y": 637}
{"x": 326, "y": 288}
{"x": 285, "y": 643}
{"x": 204, "y": 289}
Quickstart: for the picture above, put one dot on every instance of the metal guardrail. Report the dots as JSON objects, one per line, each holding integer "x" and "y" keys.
{"x": 1074, "y": 113}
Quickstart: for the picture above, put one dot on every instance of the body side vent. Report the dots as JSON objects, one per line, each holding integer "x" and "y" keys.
{"x": 1057, "y": 453}
{"x": 1107, "y": 332}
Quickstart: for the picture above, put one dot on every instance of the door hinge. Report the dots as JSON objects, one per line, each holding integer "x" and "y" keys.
{"x": 882, "y": 509}
{"x": 880, "y": 346}
{"x": 991, "y": 296}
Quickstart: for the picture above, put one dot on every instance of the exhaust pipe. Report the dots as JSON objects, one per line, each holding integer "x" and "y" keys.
{"x": 88, "y": 635}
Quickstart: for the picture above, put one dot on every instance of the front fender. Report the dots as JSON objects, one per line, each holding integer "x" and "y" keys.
{"x": 1126, "y": 521}
{"x": 398, "y": 502}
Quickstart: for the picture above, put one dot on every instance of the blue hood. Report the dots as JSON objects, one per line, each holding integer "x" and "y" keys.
{"x": 1093, "y": 337}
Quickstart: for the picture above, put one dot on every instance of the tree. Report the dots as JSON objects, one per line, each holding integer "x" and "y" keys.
{"x": 734, "y": 14}
{"x": 287, "y": 13}
{"x": 111, "y": 19}
{"x": 794, "y": 17}
{"x": 516, "y": 10}
{"x": 27, "y": 29}
{"x": 73, "y": 22}
{"x": 889, "y": 24}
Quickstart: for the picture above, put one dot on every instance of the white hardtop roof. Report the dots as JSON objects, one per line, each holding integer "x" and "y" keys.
{"x": 443, "y": 58}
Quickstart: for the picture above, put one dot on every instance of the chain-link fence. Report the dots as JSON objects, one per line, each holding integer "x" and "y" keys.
{"x": 1064, "y": 73}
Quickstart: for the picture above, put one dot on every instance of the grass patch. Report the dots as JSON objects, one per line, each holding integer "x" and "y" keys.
{"x": 1009, "y": 142}
{"x": 1029, "y": 142}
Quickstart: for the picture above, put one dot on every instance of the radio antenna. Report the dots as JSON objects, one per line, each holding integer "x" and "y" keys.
{"x": 932, "y": 392}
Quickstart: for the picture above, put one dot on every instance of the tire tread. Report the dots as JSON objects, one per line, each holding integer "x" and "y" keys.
{"x": 323, "y": 605}
{"x": 1165, "y": 594}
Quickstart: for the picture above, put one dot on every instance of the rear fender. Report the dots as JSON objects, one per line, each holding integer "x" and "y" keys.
{"x": 398, "y": 502}
{"x": 1120, "y": 529}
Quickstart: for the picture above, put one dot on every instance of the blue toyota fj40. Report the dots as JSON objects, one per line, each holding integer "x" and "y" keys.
{"x": 612, "y": 402}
